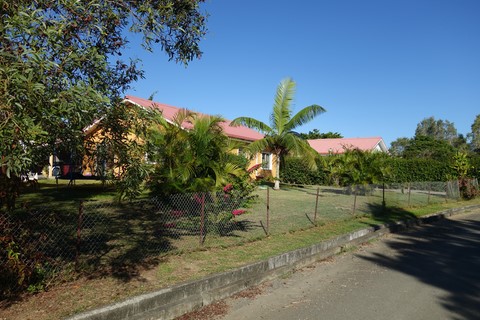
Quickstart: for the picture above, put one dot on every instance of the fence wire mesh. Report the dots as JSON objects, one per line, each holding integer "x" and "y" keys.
{"x": 45, "y": 243}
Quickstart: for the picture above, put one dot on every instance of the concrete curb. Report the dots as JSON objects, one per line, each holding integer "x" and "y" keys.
{"x": 177, "y": 300}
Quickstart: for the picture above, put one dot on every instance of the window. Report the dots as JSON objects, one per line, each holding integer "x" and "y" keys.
{"x": 241, "y": 152}
{"x": 266, "y": 161}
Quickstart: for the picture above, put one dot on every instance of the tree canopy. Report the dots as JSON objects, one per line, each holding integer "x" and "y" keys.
{"x": 441, "y": 131}
{"x": 475, "y": 135}
{"x": 61, "y": 66}
{"x": 437, "y": 129}
{"x": 398, "y": 146}
{"x": 316, "y": 134}
{"x": 429, "y": 148}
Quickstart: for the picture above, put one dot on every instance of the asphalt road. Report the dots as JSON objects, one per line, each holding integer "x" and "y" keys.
{"x": 430, "y": 272}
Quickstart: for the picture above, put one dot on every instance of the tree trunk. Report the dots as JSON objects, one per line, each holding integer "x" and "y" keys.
{"x": 277, "y": 172}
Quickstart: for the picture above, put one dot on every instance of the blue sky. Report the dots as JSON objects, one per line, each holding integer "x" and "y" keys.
{"x": 378, "y": 67}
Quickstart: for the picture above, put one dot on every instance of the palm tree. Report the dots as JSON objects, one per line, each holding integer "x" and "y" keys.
{"x": 280, "y": 138}
{"x": 192, "y": 155}
{"x": 357, "y": 168}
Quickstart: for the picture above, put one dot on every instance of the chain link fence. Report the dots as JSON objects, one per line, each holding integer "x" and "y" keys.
{"x": 46, "y": 244}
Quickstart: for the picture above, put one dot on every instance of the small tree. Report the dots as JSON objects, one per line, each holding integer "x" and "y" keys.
{"x": 125, "y": 134}
{"x": 359, "y": 168}
{"x": 192, "y": 155}
{"x": 461, "y": 165}
{"x": 280, "y": 138}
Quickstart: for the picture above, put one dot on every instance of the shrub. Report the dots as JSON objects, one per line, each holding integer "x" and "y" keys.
{"x": 22, "y": 266}
{"x": 468, "y": 188}
{"x": 296, "y": 171}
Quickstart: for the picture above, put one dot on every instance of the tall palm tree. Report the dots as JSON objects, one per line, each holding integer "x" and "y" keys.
{"x": 280, "y": 138}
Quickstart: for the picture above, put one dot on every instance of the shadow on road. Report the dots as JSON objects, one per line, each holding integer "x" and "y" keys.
{"x": 445, "y": 255}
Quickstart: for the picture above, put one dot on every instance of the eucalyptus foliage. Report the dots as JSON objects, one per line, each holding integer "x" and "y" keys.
{"x": 61, "y": 66}
{"x": 475, "y": 135}
{"x": 442, "y": 130}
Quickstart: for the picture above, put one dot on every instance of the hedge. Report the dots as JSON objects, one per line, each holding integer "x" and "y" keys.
{"x": 418, "y": 170}
{"x": 295, "y": 171}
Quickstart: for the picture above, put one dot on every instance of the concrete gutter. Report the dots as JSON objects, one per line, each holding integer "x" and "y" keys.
{"x": 177, "y": 300}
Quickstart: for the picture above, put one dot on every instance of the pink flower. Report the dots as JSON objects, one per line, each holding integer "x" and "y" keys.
{"x": 238, "y": 212}
{"x": 176, "y": 213}
{"x": 228, "y": 188}
{"x": 198, "y": 199}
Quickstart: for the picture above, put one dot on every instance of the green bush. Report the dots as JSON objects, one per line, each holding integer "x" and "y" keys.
{"x": 22, "y": 266}
{"x": 468, "y": 190}
{"x": 475, "y": 170}
{"x": 296, "y": 171}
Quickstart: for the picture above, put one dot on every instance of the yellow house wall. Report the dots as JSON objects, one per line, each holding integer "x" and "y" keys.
{"x": 95, "y": 138}
{"x": 260, "y": 173}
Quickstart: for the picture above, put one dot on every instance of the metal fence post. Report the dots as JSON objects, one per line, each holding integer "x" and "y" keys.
{"x": 316, "y": 206}
{"x": 409, "y": 193}
{"x": 202, "y": 218}
{"x": 354, "y": 199}
{"x": 79, "y": 233}
{"x": 268, "y": 211}
{"x": 384, "y": 203}
{"x": 447, "y": 187}
{"x": 429, "y": 192}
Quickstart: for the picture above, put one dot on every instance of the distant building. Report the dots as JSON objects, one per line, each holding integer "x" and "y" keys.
{"x": 340, "y": 145}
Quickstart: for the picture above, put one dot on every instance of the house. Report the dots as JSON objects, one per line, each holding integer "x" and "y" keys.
{"x": 263, "y": 161}
{"x": 168, "y": 112}
{"x": 340, "y": 145}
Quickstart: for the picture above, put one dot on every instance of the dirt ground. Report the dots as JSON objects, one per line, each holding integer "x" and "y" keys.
{"x": 73, "y": 297}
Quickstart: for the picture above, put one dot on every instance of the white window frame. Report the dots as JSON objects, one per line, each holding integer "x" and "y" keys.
{"x": 266, "y": 161}
{"x": 241, "y": 152}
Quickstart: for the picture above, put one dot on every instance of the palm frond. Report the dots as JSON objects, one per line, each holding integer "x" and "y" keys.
{"x": 183, "y": 115}
{"x": 252, "y": 124}
{"x": 261, "y": 145}
{"x": 282, "y": 105}
{"x": 299, "y": 147}
{"x": 303, "y": 116}
{"x": 222, "y": 173}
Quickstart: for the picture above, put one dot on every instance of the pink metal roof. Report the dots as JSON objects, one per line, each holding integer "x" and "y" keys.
{"x": 240, "y": 132}
{"x": 338, "y": 145}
